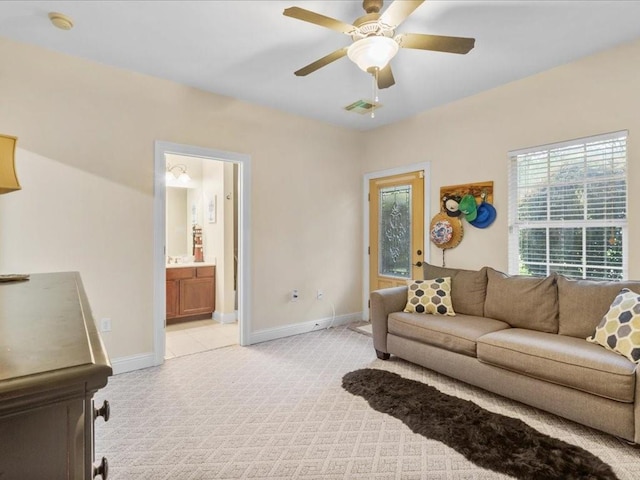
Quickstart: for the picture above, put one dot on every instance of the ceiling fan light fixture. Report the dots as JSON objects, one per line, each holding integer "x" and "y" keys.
{"x": 373, "y": 52}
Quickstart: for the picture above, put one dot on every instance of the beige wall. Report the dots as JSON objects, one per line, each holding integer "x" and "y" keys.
{"x": 86, "y": 136}
{"x": 86, "y": 158}
{"x": 218, "y": 236}
{"x": 66, "y": 219}
{"x": 226, "y": 208}
{"x": 468, "y": 141}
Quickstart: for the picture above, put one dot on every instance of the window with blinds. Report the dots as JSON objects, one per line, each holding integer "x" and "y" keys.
{"x": 568, "y": 208}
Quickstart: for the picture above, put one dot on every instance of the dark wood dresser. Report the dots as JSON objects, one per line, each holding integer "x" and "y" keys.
{"x": 52, "y": 362}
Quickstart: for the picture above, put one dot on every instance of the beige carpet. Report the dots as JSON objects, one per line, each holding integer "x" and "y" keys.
{"x": 277, "y": 411}
{"x": 362, "y": 327}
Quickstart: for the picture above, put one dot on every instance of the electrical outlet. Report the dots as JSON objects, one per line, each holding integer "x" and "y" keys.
{"x": 105, "y": 325}
{"x": 294, "y": 295}
{"x": 320, "y": 295}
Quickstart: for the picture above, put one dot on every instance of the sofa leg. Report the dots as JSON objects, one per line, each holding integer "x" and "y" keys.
{"x": 383, "y": 355}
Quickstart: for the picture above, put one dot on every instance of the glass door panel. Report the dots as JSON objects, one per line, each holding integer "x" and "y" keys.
{"x": 396, "y": 229}
{"x": 394, "y": 232}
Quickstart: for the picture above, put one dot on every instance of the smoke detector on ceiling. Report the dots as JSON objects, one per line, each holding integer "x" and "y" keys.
{"x": 61, "y": 21}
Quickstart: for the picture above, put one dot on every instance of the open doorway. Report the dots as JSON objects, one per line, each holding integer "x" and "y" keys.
{"x": 201, "y": 249}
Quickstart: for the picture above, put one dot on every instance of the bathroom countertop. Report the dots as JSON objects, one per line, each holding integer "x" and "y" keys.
{"x": 190, "y": 264}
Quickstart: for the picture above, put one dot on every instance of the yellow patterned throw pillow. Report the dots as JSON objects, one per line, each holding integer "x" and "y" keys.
{"x": 430, "y": 296}
{"x": 619, "y": 329}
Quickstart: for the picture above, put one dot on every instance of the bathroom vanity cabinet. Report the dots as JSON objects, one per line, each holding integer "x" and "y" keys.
{"x": 52, "y": 362}
{"x": 190, "y": 292}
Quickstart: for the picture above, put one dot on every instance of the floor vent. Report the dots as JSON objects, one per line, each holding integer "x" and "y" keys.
{"x": 363, "y": 106}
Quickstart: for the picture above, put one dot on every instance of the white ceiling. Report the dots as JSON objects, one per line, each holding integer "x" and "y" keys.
{"x": 249, "y": 50}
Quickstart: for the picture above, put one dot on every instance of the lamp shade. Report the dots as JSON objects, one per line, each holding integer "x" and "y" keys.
{"x": 8, "y": 177}
{"x": 373, "y": 52}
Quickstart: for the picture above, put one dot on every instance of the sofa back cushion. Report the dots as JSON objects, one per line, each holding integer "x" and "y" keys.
{"x": 522, "y": 301}
{"x": 468, "y": 287}
{"x": 583, "y": 303}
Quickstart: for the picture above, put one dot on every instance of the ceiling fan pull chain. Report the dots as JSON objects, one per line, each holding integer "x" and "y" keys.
{"x": 375, "y": 91}
{"x": 375, "y": 86}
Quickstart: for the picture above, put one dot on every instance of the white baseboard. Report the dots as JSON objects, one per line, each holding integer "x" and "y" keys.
{"x": 134, "y": 362}
{"x": 305, "y": 327}
{"x": 225, "y": 317}
{"x": 146, "y": 360}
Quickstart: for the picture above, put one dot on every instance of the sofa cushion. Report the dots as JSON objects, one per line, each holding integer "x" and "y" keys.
{"x": 429, "y": 296}
{"x": 619, "y": 330}
{"x": 468, "y": 287}
{"x": 564, "y": 360}
{"x": 583, "y": 303}
{"x": 522, "y": 301}
{"x": 458, "y": 334}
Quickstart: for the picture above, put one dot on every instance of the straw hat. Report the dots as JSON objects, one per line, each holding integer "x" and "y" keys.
{"x": 445, "y": 231}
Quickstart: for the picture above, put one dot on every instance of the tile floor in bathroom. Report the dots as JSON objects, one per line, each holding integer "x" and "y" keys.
{"x": 192, "y": 337}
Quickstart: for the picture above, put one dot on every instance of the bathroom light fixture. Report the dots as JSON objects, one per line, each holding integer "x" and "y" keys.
{"x": 8, "y": 178}
{"x": 179, "y": 172}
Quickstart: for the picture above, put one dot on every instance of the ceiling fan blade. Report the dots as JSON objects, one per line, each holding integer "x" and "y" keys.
{"x": 385, "y": 77}
{"x": 323, "y": 21}
{"x": 398, "y": 11}
{"x": 436, "y": 43}
{"x": 326, "y": 60}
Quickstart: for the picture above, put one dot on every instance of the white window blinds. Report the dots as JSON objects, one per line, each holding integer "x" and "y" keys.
{"x": 568, "y": 208}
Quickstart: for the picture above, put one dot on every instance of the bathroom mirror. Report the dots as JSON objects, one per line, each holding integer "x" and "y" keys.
{"x": 177, "y": 222}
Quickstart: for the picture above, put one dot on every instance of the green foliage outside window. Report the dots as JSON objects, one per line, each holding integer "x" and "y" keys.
{"x": 570, "y": 212}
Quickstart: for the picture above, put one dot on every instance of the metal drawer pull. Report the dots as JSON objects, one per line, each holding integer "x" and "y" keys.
{"x": 102, "y": 469}
{"x": 104, "y": 411}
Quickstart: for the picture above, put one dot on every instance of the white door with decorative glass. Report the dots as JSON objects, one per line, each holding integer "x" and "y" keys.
{"x": 568, "y": 208}
{"x": 396, "y": 229}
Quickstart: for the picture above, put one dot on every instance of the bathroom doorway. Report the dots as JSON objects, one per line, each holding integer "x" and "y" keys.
{"x": 201, "y": 249}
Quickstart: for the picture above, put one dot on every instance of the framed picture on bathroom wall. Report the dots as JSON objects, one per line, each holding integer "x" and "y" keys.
{"x": 212, "y": 209}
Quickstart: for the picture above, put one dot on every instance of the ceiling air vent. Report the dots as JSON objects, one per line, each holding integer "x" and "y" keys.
{"x": 363, "y": 106}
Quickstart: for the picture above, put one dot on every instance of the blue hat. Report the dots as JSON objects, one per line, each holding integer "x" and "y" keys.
{"x": 486, "y": 214}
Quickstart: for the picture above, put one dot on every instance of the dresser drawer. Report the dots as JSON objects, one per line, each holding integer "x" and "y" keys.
{"x": 180, "y": 273}
{"x": 204, "y": 272}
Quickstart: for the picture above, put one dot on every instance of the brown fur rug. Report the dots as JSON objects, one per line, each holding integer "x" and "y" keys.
{"x": 490, "y": 440}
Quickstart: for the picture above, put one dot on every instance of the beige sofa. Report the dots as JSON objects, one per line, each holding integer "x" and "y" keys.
{"x": 523, "y": 338}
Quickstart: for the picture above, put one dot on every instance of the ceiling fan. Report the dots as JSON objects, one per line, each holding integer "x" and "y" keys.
{"x": 375, "y": 41}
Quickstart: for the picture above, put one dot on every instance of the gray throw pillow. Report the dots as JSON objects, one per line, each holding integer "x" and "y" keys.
{"x": 522, "y": 301}
{"x": 468, "y": 287}
{"x": 583, "y": 303}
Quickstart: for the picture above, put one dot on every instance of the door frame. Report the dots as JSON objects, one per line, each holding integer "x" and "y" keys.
{"x": 424, "y": 166}
{"x": 159, "y": 238}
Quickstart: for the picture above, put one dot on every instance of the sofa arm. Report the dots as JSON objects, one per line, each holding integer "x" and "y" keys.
{"x": 384, "y": 302}
{"x": 636, "y": 408}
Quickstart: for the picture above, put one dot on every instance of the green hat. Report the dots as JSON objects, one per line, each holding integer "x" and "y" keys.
{"x": 469, "y": 207}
